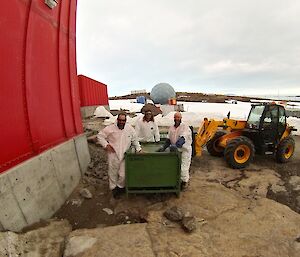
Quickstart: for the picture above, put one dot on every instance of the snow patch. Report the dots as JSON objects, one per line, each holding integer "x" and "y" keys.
{"x": 194, "y": 113}
{"x": 101, "y": 112}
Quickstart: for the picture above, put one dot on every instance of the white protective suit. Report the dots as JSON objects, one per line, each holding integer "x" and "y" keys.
{"x": 120, "y": 140}
{"x": 186, "y": 150}
{"x": 147, "y": 131}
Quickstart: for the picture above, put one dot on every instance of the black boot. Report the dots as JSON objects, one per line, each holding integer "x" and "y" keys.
{"x": 122, "y": 190}
{"x": 116, "y": 193}
{"x": 184, "y": 185}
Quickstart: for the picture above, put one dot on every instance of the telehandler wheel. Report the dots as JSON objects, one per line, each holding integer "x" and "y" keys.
{"x": 285, "y": 150}
{"x": 212, "y": 145}
{"x": 239, "y": 152}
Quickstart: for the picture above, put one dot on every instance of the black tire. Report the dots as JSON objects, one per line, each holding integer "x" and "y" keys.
{"x": 239, "y": 152}
{"x": 285, "y": 150}
{"x": 212, "y": 147}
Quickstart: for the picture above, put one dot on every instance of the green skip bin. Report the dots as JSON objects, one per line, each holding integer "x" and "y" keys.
{"x": 151, "y": 171}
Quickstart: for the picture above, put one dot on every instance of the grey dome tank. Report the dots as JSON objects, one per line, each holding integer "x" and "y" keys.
{"x": 161, "y": 93}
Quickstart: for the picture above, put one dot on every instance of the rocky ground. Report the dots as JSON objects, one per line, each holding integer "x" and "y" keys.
{"x": 264, "y": 178}
{"x": 243, "y": 213}
{"x": 191, "y": 97}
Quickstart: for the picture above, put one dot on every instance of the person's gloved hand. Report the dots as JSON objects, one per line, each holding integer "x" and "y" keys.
{"x": 161, "y": 149}
{"x": 173, "y": 148}
{"x": 165, "y": 146}
{"x": 180, "y": 142}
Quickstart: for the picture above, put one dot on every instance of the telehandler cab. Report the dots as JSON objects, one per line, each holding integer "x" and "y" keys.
{"x": 265, "y": 132}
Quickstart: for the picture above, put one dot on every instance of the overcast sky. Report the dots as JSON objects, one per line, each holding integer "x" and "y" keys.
{"x": 226, "y": 46}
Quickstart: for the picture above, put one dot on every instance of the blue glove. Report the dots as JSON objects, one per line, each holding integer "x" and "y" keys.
{"x": 180, "y": 142}
{"x": 173, "y": 148}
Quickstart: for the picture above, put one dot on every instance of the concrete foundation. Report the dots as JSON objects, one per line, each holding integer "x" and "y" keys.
{"x": 88, "y": 111}
{"x": 37, "y": 188}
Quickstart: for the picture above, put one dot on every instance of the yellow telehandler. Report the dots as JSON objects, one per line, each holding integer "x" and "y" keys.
{"x": 264, "y": 132}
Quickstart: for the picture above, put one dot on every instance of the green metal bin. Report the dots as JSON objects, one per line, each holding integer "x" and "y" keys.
{"x": 151, "y": 171}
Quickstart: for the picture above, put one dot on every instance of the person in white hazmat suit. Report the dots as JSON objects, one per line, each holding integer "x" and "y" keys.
{"x": 180, "y": 139}
{"x": 116, "y": 139}
{"x": 147, "y": 129}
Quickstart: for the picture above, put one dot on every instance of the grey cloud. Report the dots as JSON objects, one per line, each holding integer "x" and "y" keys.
{"x": 195, "y": 45}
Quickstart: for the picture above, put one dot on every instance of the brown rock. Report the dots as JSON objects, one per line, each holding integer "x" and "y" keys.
{"x": 92, "y": 139}
{"x": 233, "y": 229}
{"x": 189, "y": 224}
{"x": 174, "y": 214}
{"x": 84, "y": 192}
{"x": 155, "y": 110}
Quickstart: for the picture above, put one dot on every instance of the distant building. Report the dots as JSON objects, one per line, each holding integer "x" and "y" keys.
{"x": 142, "y": 91}
{"x": 231, "y": 101}
{"x": 92, "y": 94}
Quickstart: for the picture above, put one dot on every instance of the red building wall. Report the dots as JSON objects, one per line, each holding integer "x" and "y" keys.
{"x": 92, "y": 92}
{"x": 39, "y": 95}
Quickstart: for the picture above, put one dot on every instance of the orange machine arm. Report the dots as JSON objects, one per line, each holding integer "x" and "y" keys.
{"x": 288, "y": 130}
{"x": 209, "y": 128}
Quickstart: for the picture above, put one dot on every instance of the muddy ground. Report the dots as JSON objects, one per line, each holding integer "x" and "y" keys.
{"x": 263, "y": 178}
{"x": 89, "y": 213}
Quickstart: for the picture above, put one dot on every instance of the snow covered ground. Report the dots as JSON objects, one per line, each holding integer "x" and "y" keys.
{"x": 194, "y": 113}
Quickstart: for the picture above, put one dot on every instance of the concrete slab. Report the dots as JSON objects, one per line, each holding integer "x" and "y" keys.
{"x": 11, "y": 216}
{"x": 83, "y": 154}
{"x": 118, "y": 241}
{"x": 67, "y": 169}
{"x": 48, "y": 240}
{"x": 87, "y": 111}
{"x": 36, "y": 188}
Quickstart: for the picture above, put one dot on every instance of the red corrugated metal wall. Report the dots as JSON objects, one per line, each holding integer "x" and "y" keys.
{"x": 92, "y": 92}
{"x": 39, "y": 97}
